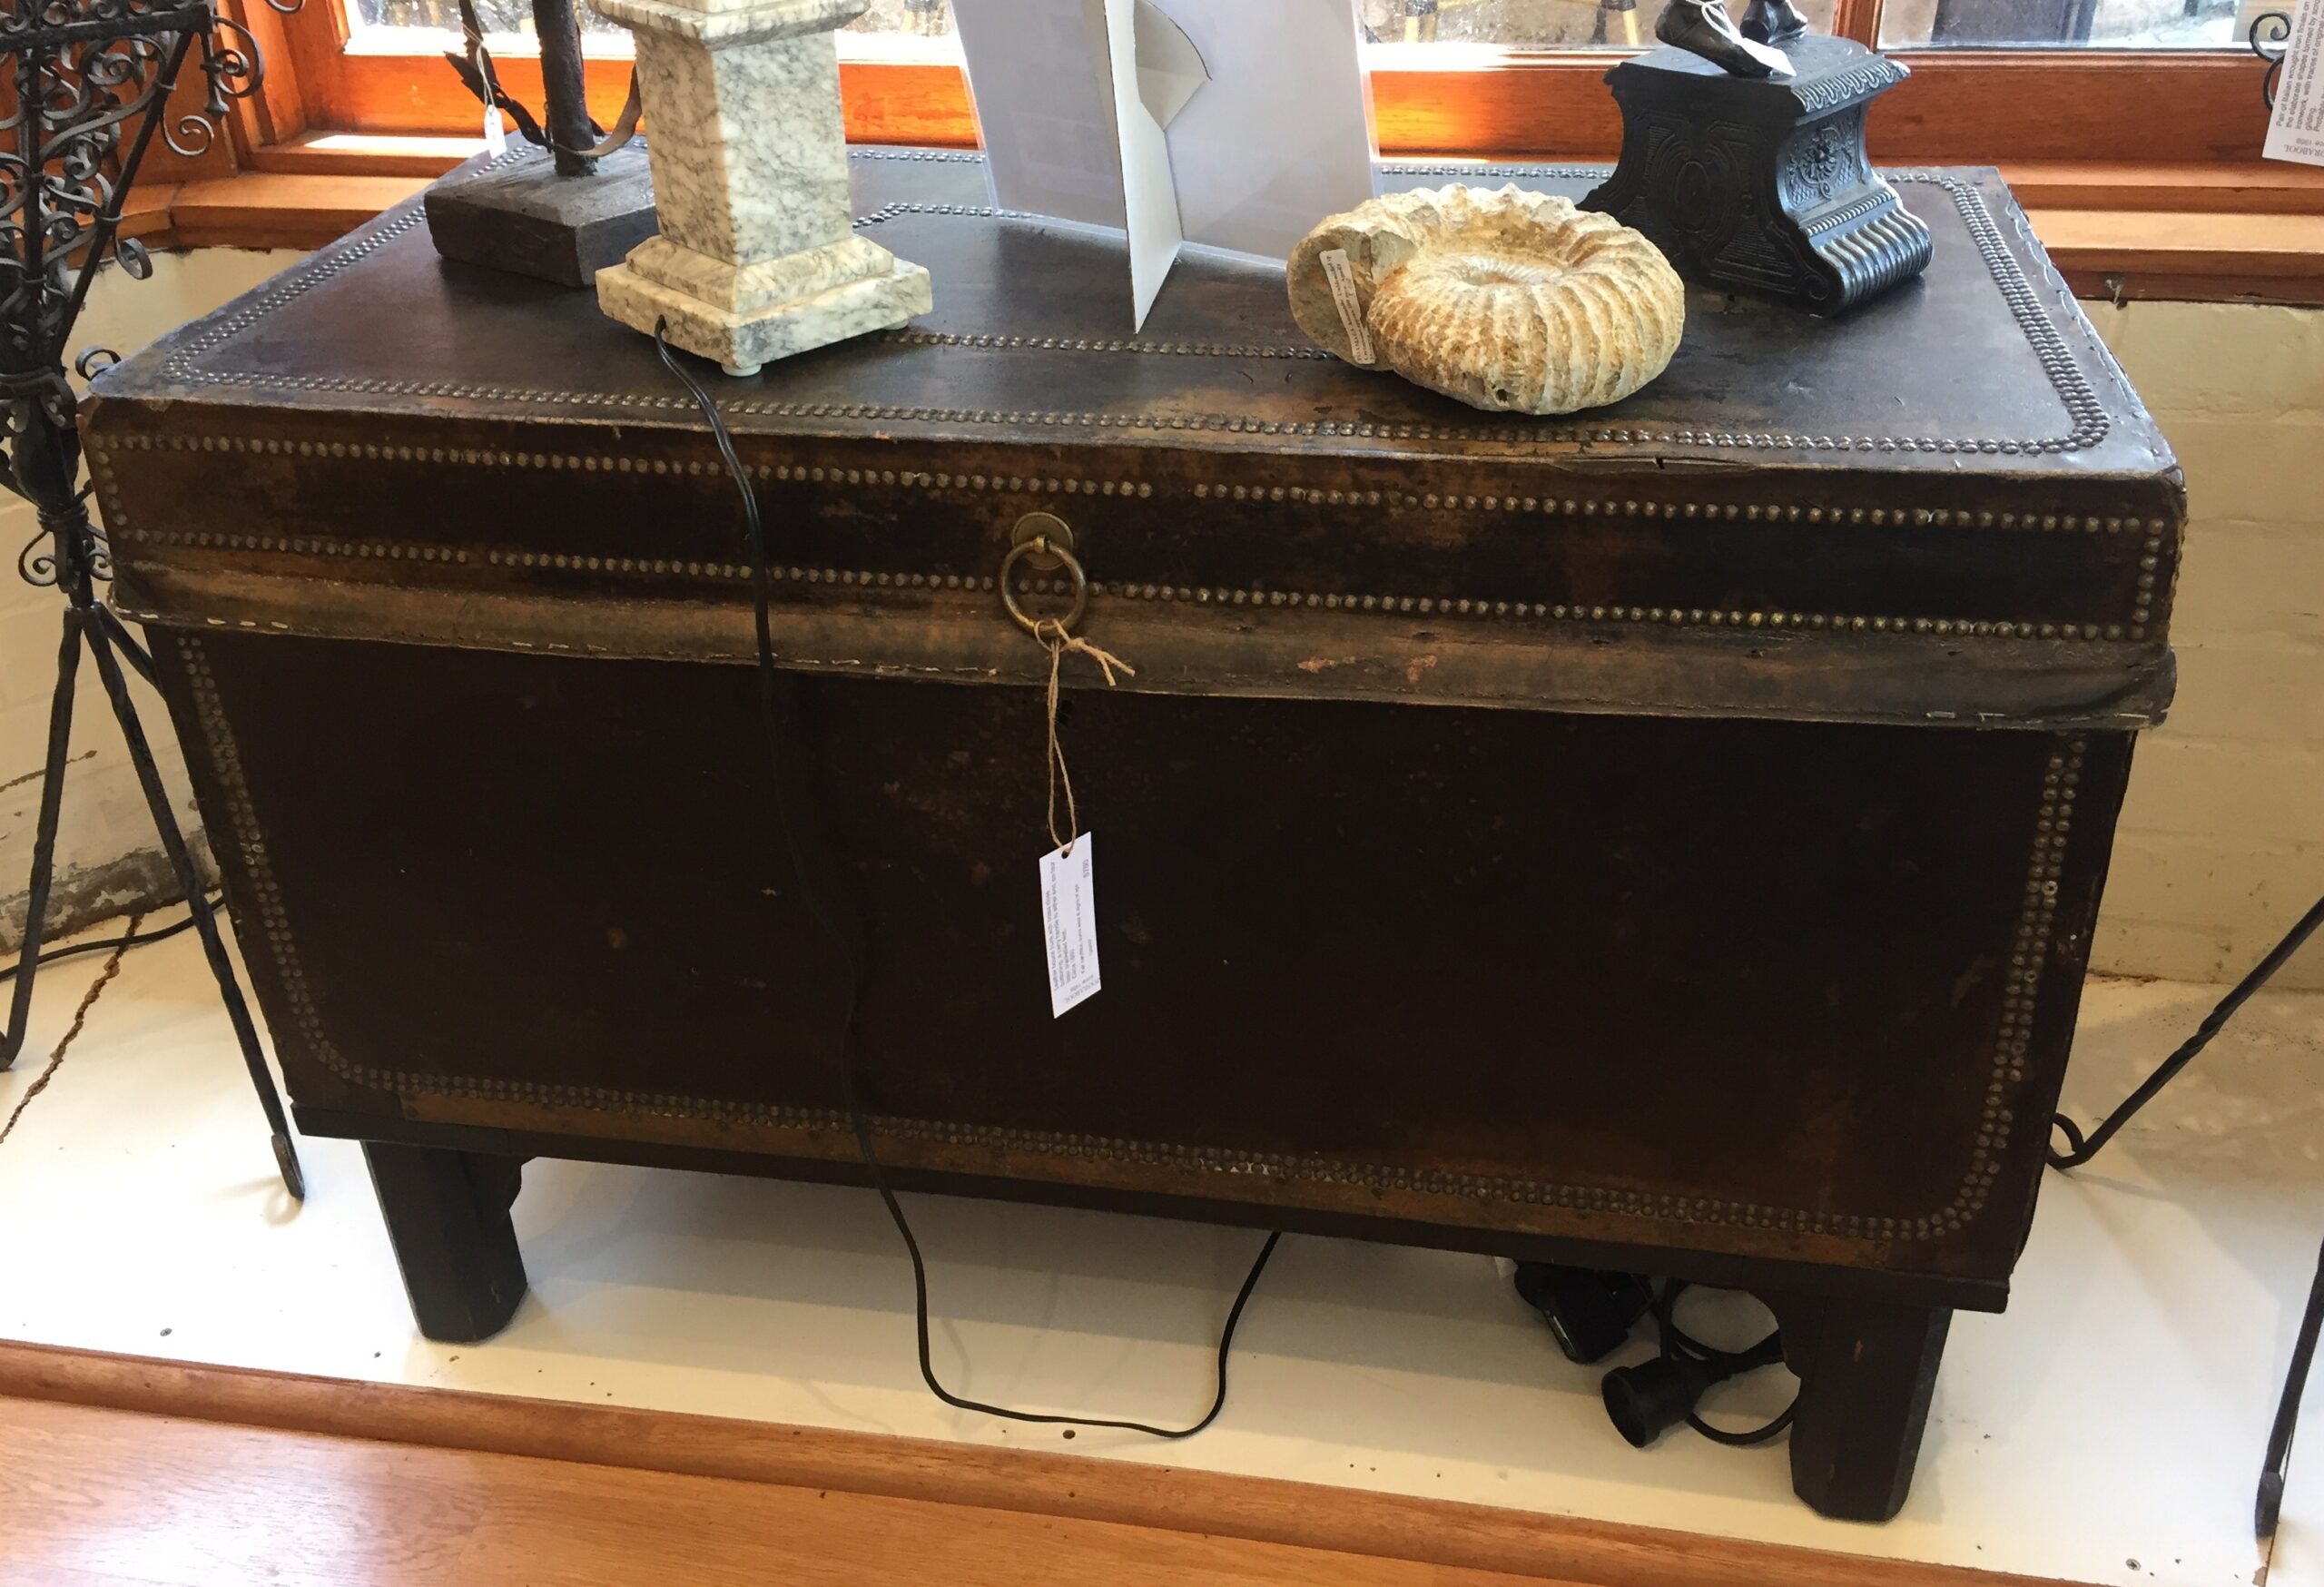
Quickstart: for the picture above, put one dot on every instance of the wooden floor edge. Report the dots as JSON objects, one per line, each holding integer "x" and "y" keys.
{"x": 1089, "y": 1488}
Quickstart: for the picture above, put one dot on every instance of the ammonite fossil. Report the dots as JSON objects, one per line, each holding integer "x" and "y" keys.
{"x": 1509, "y": 301}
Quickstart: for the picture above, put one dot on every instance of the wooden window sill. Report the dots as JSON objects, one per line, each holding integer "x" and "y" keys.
{"x": 2215, "y": 231}
{"x": 261, "y": 208}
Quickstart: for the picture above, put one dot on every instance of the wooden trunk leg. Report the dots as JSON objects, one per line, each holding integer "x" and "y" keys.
{"x": 1866, "y": 1374}
{"x": 448, "y": 1218}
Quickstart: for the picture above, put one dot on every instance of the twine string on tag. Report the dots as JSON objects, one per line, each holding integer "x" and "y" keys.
{"x": 1054, "y": 634}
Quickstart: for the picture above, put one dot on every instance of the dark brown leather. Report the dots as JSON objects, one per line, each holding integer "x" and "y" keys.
{"x": 1947, "y": 507}
{"x": 1743, "y": 943}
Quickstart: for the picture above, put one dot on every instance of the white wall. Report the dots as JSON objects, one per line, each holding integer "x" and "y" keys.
{"x": 2223, "y": 840}
{"x": 107, "y": 857}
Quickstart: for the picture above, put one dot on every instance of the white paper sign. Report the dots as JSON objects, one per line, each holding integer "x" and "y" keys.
{"x": 1169, "y": 67}
{"x": 1147, "y": 192}
{"x": 1067, "y": 131}
{"x": 1070, "y": 919}
{"x": 1043, "y": 83}
{"x": 1233, "y": 124}
{"x": 1279, "y": 136}
{"x": 2296, "y": 132}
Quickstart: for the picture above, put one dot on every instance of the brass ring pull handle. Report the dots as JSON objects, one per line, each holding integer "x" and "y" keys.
{"x": 1072, "y": 565}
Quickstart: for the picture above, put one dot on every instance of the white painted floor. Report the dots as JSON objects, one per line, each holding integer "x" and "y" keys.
{"x": 2107, "y": 1429}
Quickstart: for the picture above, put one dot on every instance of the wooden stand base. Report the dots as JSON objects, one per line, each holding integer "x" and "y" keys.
{"x": 448, "y": 1218}
{"x": 518, "y": 214}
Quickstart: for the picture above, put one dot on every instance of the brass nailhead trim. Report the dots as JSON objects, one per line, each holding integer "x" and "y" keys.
{"x": 2029, "y": 952}
{"x": 910, "y": 478}
{"x": 1568, "y": 507}
{"x": 2089, "y": 425}
{"x": 1424, "y": 605}
{"x": 920, "y": 156}
{"x": 2150, "y": 559}
{"x": 910, "y": 338}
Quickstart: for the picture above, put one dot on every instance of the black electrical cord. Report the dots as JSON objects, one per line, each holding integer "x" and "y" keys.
{"x": 111, "y": 944}
{"x": 2081, "y": 1149}
{"x": 2267, "y": 1506}
{"x": 755, "y": 536}
{"x": 1677, "y": 1343}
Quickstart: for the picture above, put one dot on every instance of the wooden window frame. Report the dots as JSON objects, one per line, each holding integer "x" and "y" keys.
{"x": 2217, "y": 221}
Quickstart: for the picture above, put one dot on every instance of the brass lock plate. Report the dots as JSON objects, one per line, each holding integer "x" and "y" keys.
{"x": 1035, "y": 526}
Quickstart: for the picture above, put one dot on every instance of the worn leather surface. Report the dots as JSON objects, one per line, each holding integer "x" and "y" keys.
{"x": 1788, "y": 990}
{"x": 1950, "y": 361}
{"x": 1947, "y": 507}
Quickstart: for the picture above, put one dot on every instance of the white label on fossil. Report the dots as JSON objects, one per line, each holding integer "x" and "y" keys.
{"x": 1342, "y": 277}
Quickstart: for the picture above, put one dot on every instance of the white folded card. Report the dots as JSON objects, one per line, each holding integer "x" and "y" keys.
{"x": 1226, "y": 123}
{"x": 2296, "y": 130}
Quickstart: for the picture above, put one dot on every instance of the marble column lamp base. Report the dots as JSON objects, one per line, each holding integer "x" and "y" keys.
{"x": 744, "y": 317}
{"x": 757, "y": 258}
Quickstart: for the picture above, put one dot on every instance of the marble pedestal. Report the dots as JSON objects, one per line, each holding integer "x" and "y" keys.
{"x": 757, "y": 257}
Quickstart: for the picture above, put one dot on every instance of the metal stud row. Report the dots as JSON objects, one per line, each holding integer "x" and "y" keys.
{"x": 2090, "y": 422}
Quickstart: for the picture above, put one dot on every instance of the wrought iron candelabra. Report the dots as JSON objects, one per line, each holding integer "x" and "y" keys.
{"x": 2269, "y": 37}
{"x": 93, "y": 80}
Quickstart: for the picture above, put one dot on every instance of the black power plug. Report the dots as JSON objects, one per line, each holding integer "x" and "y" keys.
{"x": 1591, "y": 1313}
{"x": 1646, "y": 1401}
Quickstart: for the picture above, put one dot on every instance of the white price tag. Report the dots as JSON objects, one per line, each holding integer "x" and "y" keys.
{"x": 1342, "y": 277}
{"x": 2296, "y": 132}
{"x": 1069, "y": 913}
{"x": 495, "y": 140}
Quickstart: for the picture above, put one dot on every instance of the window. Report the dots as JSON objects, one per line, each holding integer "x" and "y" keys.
{"x": 1530, "y": 25}
{"x": 2119, "y": 25}
{"x": 2130, "y": 128}
{"x": 514, "y": 18}
{"x": 1994, "y": 80}
{"x": 1525, "y": 23}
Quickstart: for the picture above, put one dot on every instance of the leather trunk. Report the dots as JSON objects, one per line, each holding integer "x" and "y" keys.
{"x": 1669, "y": 837}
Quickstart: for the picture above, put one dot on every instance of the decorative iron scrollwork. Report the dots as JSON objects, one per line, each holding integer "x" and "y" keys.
{"x": 2270, "y": 35}
{"x": 36, "y": 563}
{"x": 94, "y": 542}
{"x": 93, "y": 80}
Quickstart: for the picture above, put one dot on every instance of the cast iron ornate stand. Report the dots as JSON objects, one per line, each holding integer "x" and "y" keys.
{"x": 1760, "y": 183}
{"x": 92, "y": 80}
